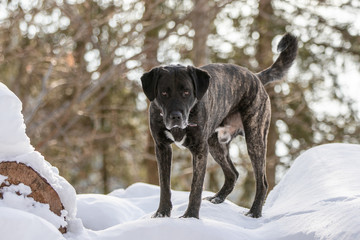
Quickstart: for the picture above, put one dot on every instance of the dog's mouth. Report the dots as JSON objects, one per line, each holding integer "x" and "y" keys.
{"x": 171, "y": 124}
{"x": 182, "y": 126}
{"x": 176, "y": 120}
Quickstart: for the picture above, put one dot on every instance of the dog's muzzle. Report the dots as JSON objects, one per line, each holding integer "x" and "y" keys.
{"x": 175, "y": 119}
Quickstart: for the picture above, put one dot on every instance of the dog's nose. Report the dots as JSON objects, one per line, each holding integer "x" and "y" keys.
{"x": 176, "y": 115}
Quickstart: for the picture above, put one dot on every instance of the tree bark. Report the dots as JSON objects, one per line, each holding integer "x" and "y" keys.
{"x": 41, "y": 190}
{"x": 151, "y": 45}
{"x": 201, "y": 23}
{"x": 201, "y": 20}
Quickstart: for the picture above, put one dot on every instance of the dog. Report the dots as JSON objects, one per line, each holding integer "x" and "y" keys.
{"x": 203, "y": 109}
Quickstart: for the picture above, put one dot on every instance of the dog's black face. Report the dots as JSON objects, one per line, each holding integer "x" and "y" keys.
{"x": 175, "y": 90}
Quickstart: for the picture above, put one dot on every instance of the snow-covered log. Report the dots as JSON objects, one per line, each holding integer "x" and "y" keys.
{"x": 27, "y": 181}
{"x": 41, "y": 191}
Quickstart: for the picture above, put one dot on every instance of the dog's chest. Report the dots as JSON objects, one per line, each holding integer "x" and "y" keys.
{"x": 178, "y": 137}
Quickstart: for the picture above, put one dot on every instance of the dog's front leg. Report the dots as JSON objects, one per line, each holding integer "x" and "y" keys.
{"x": 164, "y": 155}
{"x": 199, "y": 167}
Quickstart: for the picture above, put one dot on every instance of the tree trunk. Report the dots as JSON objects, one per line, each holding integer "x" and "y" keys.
{"x": 201, "y": 20}
{"x": 201, "y": 23}
{"x": 104, "y": 170}
{"x": 151, "y": 44}
{"x": 103, "y": 145}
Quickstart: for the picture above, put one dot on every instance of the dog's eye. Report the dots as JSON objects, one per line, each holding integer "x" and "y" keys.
{"x": 165, "y": 94}
{"x": 186, "y": 93}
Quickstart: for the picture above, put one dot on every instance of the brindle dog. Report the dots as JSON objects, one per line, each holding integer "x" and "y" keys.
{"x": 190, "y": 106}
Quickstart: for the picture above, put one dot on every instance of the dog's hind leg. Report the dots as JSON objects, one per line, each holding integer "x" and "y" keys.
{"x": 256, "y": 130}
{"x": 220, "y": 153}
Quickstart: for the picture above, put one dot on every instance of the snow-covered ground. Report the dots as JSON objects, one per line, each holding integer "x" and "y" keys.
{"x": 319, "y": 198}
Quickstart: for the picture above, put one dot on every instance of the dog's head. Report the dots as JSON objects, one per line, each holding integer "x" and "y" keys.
{"x": 175, "y": 90}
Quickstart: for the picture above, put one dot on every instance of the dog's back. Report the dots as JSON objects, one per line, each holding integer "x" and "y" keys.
{"x": 229, "y": 86}
{"x": 235, "y": 88}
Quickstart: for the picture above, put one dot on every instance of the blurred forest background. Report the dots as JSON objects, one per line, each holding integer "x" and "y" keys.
{"x": 76, "y": 67}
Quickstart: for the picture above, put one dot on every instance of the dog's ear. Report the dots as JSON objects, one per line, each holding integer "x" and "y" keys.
{"x": 200, "y": 79}
{"x": 149, "y": 83}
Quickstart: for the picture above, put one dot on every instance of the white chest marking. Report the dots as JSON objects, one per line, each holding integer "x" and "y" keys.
{"x": 171, "y": 137}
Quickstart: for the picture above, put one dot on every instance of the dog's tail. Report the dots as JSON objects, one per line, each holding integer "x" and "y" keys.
{"x": 288, "y": 46}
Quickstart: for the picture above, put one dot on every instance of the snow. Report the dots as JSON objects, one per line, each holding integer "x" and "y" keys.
{"x": 15, "y": 147}
{"x": 92, "y": 207}
{"x": 13, "y": 139}
{"x": 12, "y": 199}
{"x": 321, "y": 191}
{"x": 319, "y": 198}
{"x": 63, "y": 188}
{"x": 20, "y": 225}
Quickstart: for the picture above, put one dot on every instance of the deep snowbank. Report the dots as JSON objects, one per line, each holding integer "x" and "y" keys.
{"x": 320, "y": 194}
{"x": 319, "y": 198}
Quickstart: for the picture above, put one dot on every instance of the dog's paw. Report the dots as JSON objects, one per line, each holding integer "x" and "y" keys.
{"x": 161, "y": 214}
{"x": 253, "y": 215}
{"x": 215, "y": 199}
{"x": 190, "y": 214}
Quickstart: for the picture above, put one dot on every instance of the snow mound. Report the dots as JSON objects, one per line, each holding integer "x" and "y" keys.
{"x": 320, "y": 194}
{"x": 334, "y": 168}
{"x": 92, "y": 207}
{"x": 13, "y": 139}
{"x": 15, "y": 147}
{"x": 63, "y": 188}
{"x": 20, "y": 225}
{"x": 319, "y": 198}
{"x": 16, "y": 197}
